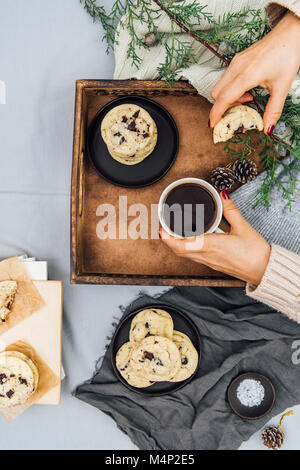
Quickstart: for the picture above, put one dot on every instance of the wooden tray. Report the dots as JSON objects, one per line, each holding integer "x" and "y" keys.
{"x": 141, "y": 262}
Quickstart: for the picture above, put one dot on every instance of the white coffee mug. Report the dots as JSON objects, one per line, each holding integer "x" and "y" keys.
{"x": 219, "y": 207}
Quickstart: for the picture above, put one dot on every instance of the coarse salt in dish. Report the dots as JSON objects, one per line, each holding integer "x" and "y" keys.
{"x": 251, "y": 393}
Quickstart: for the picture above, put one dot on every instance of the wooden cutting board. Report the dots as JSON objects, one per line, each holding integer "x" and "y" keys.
{"x": 43, "y": 332}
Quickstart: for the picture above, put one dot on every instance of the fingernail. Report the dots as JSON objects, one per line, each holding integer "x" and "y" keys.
{"x": 225, "y": 195}
{"x": 159, "y": 234}
{"x": 209, "y": 123}
{"x": 270, "y": 130}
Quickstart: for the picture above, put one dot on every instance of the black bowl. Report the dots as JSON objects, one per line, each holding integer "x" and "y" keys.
{"x": 254, "y": 412}
{"x": 150, "y": 170}
{"x": 181, "y": 323}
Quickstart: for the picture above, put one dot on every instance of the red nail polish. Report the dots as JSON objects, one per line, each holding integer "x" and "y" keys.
{"x": 270, "y": 130}
{"x": 225, "y": 195}
{"x": 209, "y": 123}
{"x": 159, "y": 234}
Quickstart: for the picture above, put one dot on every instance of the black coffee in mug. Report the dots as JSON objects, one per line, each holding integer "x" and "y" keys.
{"x": 189, "y": 210}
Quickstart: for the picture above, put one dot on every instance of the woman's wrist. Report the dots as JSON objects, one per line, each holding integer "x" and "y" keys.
{"x": 291, "y": 20}
{"x": 263, "y": 253}
{"x": 291, "y": 24}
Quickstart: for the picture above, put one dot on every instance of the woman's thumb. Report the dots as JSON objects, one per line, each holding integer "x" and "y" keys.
{"x": 231, "y": 212}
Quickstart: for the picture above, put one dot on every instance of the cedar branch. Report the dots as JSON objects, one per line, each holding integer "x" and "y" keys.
{"x": 204, "y": 43}
{"x": 191, "y": 33}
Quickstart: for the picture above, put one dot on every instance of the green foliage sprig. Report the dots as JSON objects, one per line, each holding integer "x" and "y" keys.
{"x": 225, "y": 37}
{"x": 239, "y": 29}
{"x": 278, "y": 173}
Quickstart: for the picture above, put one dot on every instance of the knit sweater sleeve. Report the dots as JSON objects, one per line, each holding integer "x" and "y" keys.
{"x": 280, "y": 285}
{"x": 276, "y": 10}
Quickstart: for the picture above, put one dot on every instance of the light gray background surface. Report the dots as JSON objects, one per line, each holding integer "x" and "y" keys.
{"x": 44, "y": 47}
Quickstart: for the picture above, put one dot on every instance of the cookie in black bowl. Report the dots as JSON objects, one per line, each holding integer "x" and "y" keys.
{"x": 151, "y": 169}
{"x": 182, "y": 323}
{"x": 251, "y": 395}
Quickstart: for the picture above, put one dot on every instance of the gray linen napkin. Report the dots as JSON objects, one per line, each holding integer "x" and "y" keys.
{"x": 238, "y": 335}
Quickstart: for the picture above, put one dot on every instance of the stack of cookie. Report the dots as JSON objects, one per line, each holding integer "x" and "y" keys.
{"x": 155, "y": 352}
{"x": 19, "y": 379}
{"x": 130, "y": 133}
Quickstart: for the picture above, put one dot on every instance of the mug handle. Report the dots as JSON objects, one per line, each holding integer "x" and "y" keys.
{"x": 218, "y": 230}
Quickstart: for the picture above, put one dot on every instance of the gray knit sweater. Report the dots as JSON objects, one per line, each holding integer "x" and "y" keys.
{"x": 279, "y": 224}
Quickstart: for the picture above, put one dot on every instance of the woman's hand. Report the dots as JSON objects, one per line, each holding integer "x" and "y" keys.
{"x": 271, "y": 63}
{"x": 242, "y": 253}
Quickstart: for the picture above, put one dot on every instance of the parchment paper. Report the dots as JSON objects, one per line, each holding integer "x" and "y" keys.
{"x": 47, "y": 379}
{"x": 27, "y": 300}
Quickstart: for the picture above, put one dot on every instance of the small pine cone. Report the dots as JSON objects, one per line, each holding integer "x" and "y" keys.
{"x": 222, "y": 178}
{"x": 245, "y": 171}
{"x": 151, "y": 40}
{"x": 225, "y": 48}
{"x": 273, "y": 438}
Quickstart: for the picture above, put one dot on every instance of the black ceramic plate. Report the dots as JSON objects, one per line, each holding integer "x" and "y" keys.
{"x": 154, "y": 167}
{"x": 256, "y": 411}
{"x": 181, "y": 323}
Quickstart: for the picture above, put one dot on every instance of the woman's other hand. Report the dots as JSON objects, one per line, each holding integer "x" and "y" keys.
{"x": 242, "y": 253}
{"x": 271, "y": 63}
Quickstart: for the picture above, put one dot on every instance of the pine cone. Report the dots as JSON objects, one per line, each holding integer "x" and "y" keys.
{"x": 245, "y": 171}
{"x": 151, "y": 40}
{"x": 222, "y": 178}
{"x": 273, "y": 437}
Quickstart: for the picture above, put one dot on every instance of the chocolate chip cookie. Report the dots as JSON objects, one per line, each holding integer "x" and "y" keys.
{"x": 156, "y": 358}
{"x": 151, "y": 322}
{"x": 124, "y": 366}
{"x": 18, "y": 378}
{"x": 130, "y": 133}
{"x": 237, "y": 120}
{"x": 188, "y": 356}
{"x": 8, "y": 290}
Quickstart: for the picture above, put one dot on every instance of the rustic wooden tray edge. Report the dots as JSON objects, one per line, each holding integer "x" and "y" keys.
{"x": 154, "y": 281}
{"x": 77, "y": 274}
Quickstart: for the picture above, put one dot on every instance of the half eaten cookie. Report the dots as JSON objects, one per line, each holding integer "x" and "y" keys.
{"x": 8, "y": 290}
{"x": 237, "y": 120}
